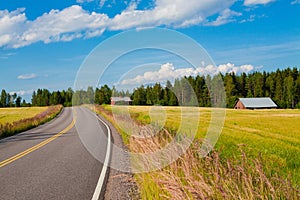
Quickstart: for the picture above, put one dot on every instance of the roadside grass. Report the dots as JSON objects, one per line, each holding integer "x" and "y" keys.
{"x": 16, "y": 120}
{"x": 257, "y": 155}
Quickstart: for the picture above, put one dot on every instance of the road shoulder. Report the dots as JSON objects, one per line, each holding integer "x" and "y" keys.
{"x": 120, "y": 185}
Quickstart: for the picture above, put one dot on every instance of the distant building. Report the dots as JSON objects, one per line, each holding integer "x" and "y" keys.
{"x": 120, "y": 101}
{"x": 255, "y": 103}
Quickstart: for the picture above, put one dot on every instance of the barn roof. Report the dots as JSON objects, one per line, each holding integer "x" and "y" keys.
{"x": 120, "y": 99}
{"x": 261, "y": 102}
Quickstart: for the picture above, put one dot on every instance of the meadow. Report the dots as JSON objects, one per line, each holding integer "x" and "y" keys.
{"x": 15, "y": 120}
{"x": 9, "y": 115}
{"x": 257, "y": 154}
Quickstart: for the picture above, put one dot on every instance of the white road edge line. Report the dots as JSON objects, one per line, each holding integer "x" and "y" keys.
{"x": 105, "y": 164}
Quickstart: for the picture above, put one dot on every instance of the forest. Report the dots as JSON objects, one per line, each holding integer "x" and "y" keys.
{"x": 283, "y": 86}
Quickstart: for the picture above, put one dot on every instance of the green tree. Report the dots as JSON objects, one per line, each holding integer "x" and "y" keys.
{"x": 3, "y": 100}
{"x": 157, "y": 94}
{"x": 230, "y": 89}
{"x": 149, "y": 98}
{"x": 278, "y": 96}
{"x": 172, "y": 100}
{"x": 103, "y": 95}
{"x": 34, "y": 99}
{"x": 68, "y": 97}
{"x": 289, "y": 91}
{"x": 258, "y": 85}
{"x": 270, "y": 85}
{"x": 139, "y": 96}
{"x": 297, "y": 91}
{"x": 18, "y": 101}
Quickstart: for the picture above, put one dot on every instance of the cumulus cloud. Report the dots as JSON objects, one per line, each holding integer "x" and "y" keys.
{"x": 10, "y": 24}
{"x": 27, "y": 76}
{"x": 74, "y": 22}
{"x": 169, "y": 72}
{"x": 256, "y": 2}
{"x": 65, "y": 25}
{"x": 175, "y": 13}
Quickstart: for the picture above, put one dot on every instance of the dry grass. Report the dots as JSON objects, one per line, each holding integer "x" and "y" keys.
{"x": 211, "y": 177}
{"x": 10, "y": 115}
{"x": 226, "y": 173}
{"x": 16, "y": 122}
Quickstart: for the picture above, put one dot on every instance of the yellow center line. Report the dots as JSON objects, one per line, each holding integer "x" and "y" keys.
{"x": 24, "y": 153}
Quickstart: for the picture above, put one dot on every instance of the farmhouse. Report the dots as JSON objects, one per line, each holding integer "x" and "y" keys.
{"x": 120, "y": 100}
{"x": 255, "y": 103}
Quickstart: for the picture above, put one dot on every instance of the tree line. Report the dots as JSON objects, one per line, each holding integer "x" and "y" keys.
{"x": 11, "y": 100}
{"x": 43, "y": 97}
{"x": 283, "y": 86}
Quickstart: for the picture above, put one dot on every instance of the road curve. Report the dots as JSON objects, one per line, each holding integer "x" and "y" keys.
{"x": 55, "y": 160}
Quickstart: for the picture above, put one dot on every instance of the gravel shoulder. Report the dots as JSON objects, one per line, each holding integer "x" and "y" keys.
{"x": 120, "y": 185}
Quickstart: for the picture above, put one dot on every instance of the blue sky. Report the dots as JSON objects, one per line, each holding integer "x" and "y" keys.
{"x": 44, "y": 42}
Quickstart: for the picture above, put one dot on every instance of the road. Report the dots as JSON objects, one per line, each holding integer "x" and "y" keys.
{"x": 56, "y": 160}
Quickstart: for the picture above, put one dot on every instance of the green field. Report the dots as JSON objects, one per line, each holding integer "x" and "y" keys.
{"x": 10, "y": 115}
{"x": 272, "y": 135}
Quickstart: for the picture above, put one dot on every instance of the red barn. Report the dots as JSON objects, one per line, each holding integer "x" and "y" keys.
{"x": 255, "y": 103}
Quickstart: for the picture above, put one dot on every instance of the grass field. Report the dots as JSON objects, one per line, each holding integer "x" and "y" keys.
{"x": 274, "y": 133}
{"x": 15, "y": 120}
{"x": 10, "y": 115}
{"x": 268, "y": 137}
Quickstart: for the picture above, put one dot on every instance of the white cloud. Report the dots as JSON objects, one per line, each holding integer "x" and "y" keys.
{"x": 176, "y": 13}
{"x": 65, "y": 25}
{"x": 168, "y": 72}
{"x": 250, "y": 19}
{"x": 256, "y": 2}
{"x": 74, "y": 22}
{"x": 229, "y": 67}
{"x": 22, "y": 92}
{"x": 225, "y": 17}
{"x": 4, "y": 39}
{"x": 295, "y": 2}
{"x": 10, "y": 24}
{"x": 27, "y": 76}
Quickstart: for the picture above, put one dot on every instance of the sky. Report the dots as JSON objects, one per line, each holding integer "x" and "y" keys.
{"x": 43, "y": 43}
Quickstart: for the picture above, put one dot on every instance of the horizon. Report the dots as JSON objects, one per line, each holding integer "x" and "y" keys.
{"x": 43, "y": 44}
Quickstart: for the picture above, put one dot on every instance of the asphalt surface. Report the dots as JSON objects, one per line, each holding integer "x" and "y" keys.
{"x": 64, "y": 168}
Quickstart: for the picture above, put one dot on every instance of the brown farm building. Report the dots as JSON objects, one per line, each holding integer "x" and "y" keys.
{"x": 120, "y": 101}
{"x": 255, "y": 103}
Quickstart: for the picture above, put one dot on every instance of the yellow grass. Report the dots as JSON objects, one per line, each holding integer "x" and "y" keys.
{"x": 10, "y": 115}
{"x": 256, "y": 157}
{"x": 15, "y": 120}
{"x": 273, "y": 133}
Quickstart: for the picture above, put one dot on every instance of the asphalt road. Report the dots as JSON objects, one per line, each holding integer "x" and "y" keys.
{"x": 55, "y": 160}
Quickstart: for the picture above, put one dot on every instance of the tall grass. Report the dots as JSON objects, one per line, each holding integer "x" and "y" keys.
{"x": 8, "y": 129}
{"x": 212, "y": 177}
